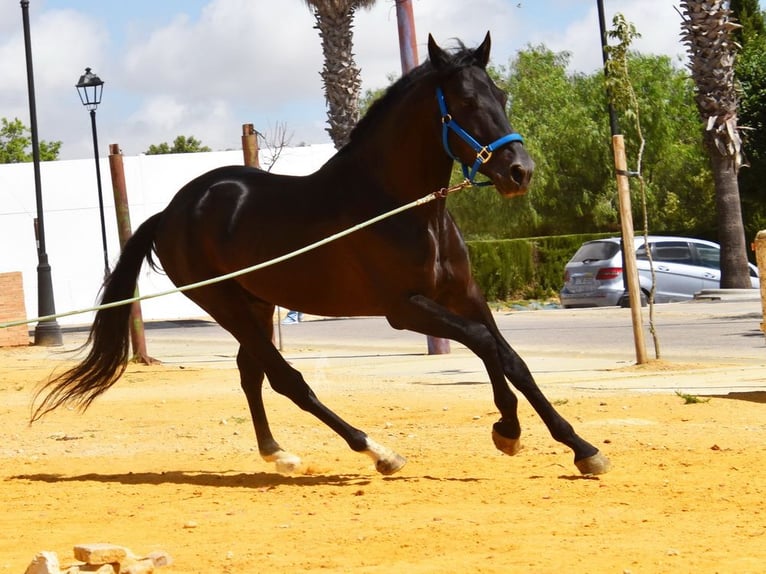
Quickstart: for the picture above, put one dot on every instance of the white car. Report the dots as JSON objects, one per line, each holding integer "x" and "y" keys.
{"x": 682, "y": 266}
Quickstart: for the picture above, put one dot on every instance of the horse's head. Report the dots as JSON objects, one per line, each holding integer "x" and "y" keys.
{"x": 476, "y": 131}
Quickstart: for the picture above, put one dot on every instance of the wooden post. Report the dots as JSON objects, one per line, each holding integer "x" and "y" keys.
{"x": 631, "y": 268}
{"x": 759, "y": 246}
{"x": 250, "y": 146}
{"x": 124, "y": 231}
{"x": 250, "y": 154}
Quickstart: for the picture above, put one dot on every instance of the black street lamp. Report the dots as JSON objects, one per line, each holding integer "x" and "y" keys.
{"x": 47, "y": 332}
{"x": 90, "y": 87}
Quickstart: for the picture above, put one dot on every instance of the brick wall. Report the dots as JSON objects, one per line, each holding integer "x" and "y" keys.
{"x": 12, "y": 307}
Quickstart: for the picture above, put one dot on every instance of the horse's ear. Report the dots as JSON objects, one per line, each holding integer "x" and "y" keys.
{"x": 437, "y": 56}
{"x": 482, "y": 52}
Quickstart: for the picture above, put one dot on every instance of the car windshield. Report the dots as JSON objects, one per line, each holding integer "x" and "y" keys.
{"x": 596, "y": 251}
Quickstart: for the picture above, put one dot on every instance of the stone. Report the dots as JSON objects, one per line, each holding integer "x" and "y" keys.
{"x": 110, "y": 568}
{"x": 142, "y": 566}
{"x": 160, "y": 558}
{"x": 44, "y": 563}
{"x": 99, "y": 553}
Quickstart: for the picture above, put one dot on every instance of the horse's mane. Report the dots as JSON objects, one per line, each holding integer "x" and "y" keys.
{"x": 460, "y": 57}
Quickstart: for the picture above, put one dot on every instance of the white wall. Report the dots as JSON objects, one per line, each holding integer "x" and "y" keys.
{"x": 73, "y": 228}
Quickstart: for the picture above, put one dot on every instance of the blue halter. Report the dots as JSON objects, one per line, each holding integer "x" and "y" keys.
{"x": 483, "y": 153}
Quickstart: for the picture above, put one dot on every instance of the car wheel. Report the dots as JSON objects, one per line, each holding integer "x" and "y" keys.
{"x": 625, "y": 300}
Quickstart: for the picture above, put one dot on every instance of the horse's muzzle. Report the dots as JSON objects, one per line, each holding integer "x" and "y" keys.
{"x": 513, "y": 175}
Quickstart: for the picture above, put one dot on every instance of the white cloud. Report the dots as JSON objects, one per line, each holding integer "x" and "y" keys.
{"x": 257, "y": 61}
{"x": 377, "y": 43}
{"x": 656, "y": 21}
{"x": 234, "y": 49}
{"x": 162, "y": 118}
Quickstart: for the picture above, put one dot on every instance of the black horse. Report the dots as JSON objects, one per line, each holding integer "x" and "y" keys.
{"x": 412, "y": 268}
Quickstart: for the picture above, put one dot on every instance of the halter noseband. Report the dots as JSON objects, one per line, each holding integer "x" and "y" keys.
{"x": 483, "y": 153}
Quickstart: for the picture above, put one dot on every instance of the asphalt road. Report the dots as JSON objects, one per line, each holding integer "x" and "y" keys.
{"x": 709, "y": 330}
{"x": 716, "y": 347}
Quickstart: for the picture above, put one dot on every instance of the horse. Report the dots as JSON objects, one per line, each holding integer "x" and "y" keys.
{"x": 412, "y": 268}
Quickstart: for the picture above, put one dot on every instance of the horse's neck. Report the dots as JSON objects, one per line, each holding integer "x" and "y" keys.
{"x": 403, "y": 152}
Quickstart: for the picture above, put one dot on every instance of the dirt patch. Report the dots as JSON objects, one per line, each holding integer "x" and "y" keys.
{"x": 166, "y": 460}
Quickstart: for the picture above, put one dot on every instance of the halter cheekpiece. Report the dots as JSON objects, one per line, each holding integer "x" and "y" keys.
{"x": 483, "y": 153}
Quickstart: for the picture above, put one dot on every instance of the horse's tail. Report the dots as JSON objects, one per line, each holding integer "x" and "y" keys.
{"x": 109, "y": 335}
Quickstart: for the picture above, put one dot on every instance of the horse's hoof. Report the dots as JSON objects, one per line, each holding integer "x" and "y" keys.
{"x": 596, "y": 464}
{"x": 509, "y": 446}
{"x": 284, "y": 462}
{"x": 390, "y": 465}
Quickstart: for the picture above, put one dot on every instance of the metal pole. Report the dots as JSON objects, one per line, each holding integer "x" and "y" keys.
{"x": 100, "y": 192}
{"x": 408, "y": 54}
{"x": 47, "y": 333}
{"x": 613, "y": 125}
{"x": 408, "y": 47}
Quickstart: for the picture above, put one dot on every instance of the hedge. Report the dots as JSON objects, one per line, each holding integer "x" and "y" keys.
{"x": 526, "y": 268}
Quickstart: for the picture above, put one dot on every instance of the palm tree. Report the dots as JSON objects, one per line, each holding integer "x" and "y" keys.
{"x": 341, "y": 77}
{"x": 707, "y": 31}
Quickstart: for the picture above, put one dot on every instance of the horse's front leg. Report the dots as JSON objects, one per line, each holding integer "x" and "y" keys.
{"x": 587, "y": 457}
{"x": 475, "y": 328}
{"x": 429, "y": 317}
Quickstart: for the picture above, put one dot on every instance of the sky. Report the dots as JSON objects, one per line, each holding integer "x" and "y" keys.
{"x": 203, "y": 68}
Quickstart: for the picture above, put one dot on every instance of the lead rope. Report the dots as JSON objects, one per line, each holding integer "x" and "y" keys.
{"x": 439, "y": 194}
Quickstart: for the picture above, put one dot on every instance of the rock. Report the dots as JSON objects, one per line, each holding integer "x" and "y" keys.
{"x": 100, "y": 553}
{"x": 143, "y": 566}
{"x": 44, "y": 563}
{"x": 111, "y": 568}
{"x": 160, "y": 558}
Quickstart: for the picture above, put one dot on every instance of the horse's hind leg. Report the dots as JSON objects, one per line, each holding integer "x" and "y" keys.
{"x": 249, "y": 320}
{"x": 289, "y": 382}
{"x": 251, "y": 378}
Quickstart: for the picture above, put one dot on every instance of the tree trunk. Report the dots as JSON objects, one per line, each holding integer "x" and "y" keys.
{"x": 735, "y": 273}
{"x": 340, "y": 75}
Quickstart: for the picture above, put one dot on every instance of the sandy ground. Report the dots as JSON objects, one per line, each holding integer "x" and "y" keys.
{"x": 166, "y": 461}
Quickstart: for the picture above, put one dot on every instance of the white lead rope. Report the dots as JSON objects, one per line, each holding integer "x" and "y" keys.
{"x": 422, "y": 201}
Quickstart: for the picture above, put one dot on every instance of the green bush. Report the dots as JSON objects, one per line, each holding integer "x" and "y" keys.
{"x": 526, "y": 268}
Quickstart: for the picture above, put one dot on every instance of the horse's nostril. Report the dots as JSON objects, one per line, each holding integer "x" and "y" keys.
{"x": 519, "y": 174}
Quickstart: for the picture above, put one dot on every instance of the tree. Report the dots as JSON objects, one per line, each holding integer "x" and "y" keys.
{"x": 748, "y": 14}
{"x": 751, "y": 61}
{"x": 340, "y": 75}
{"x": 181, "y": 144}
{"x": 562, "y": 118}
{"x": 16, "y": 143}
{"x": 707, "y": 34}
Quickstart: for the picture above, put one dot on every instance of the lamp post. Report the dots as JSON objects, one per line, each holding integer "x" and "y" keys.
{"x": 47, "y": 332}
{"x": 90, "y": 87}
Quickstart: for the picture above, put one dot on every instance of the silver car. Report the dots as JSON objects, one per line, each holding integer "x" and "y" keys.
{"x": 682, "y": 266}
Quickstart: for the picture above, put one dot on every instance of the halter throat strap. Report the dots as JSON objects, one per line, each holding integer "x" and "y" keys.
{"x": 483, "y": 153}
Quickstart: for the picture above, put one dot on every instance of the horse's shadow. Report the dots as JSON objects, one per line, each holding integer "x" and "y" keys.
{"x": 231, "y": 479}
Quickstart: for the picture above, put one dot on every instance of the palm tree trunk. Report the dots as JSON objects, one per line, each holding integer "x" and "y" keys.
{"x": 707, "y": 31}
{"x": 735, "y": 273}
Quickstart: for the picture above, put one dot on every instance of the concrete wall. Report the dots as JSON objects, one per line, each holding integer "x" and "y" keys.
{"x": 73, "y": 229}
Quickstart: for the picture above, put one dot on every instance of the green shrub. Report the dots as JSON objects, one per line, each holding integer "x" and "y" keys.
{"x": 526, "y": 268}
